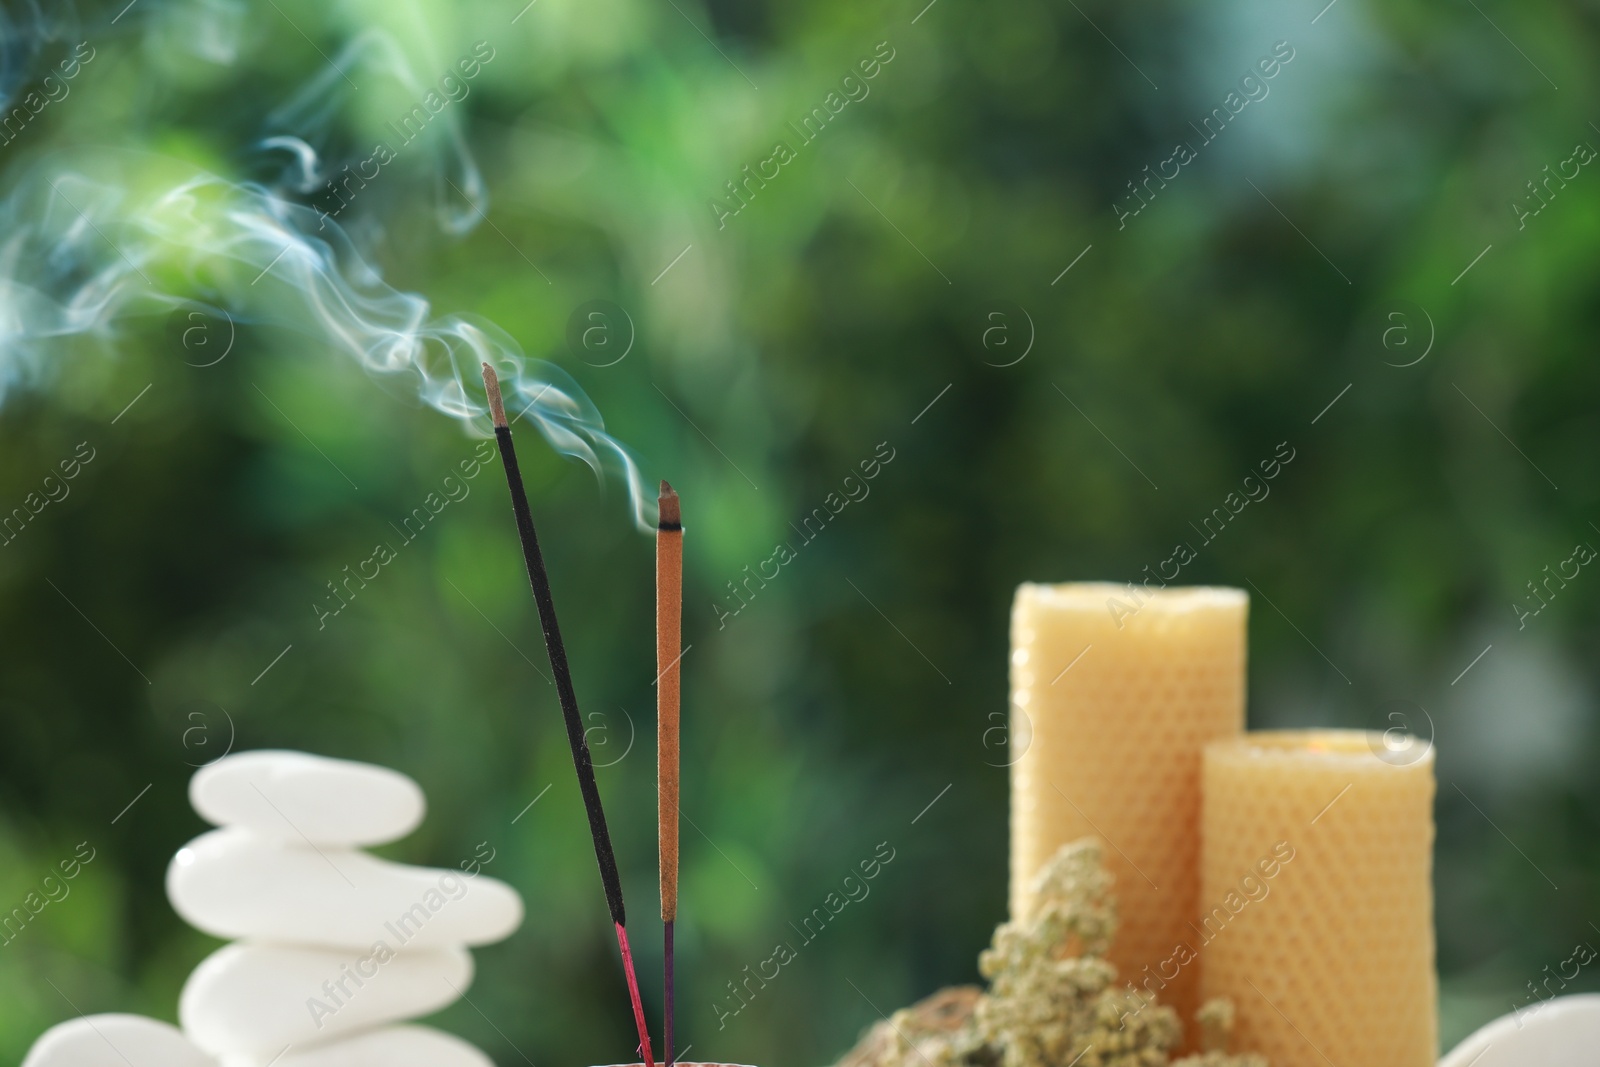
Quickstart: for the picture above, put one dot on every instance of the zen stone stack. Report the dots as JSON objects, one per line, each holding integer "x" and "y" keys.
{"x": 332, "y": 947}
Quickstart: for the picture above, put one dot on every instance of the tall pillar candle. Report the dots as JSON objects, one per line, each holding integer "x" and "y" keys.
{"x": 1115, "y": 691}
{"x": 1316, "y": 913}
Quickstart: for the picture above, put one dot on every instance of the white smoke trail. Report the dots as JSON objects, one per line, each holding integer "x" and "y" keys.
{"x": 311, "y": 114}
{"x": 78, "y": 254}
{"x": 24, "y": 33}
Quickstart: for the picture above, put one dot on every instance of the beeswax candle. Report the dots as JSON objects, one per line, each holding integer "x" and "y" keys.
{"x": 1317, "y": 896}
{"x": 1113, "y": 698}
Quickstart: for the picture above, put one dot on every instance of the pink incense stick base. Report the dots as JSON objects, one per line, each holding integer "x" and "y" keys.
{"x": 633, "y": 994}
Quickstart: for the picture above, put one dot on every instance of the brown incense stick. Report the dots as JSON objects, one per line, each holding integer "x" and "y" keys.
{"x": 669, "y": 650}
{"x": 539, "y": 579}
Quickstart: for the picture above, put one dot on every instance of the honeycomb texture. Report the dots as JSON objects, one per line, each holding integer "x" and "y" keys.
{"x": 1113, "y": 746}
{"x": 1331, "y": 959}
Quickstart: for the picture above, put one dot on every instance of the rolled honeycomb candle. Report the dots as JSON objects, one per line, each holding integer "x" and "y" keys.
{"x": 1113, "y": 697}
{"x": 1316, "y": 911}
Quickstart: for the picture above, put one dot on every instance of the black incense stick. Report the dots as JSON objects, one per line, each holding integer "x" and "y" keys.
{"x": 581, "y": 760}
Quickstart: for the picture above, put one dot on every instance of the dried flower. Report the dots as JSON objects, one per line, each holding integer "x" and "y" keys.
{"x": 1216, "y": 1024}
{"x": 1050, "y": 1001}
{"x": 1215, "y": 1018}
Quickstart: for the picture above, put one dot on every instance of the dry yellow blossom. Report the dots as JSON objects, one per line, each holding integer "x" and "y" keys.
{"x": 1216, "y": 1024}
{"x": 1216, "y": 1017}
{"x": 1051, "y": 1000}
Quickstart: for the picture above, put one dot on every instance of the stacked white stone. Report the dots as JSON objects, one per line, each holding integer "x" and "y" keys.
{"x": 332, "y": 946}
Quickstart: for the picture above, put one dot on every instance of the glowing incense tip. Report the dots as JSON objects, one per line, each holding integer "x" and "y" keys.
{"x": 497, "y": 406}
{"x": 671, "y": 518}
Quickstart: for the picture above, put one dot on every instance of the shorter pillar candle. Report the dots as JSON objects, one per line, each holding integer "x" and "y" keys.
{"x": 1317, "y": 865}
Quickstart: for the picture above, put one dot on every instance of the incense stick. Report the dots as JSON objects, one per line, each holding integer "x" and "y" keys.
{"x": 581, "y": 759}
{"x": 669, "y": 642}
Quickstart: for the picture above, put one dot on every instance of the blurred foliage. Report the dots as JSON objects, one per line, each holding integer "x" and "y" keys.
{"x": 850, "y": 303}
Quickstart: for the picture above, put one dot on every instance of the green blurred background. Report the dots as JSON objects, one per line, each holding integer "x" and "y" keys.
{"x": 911, "y": 255}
